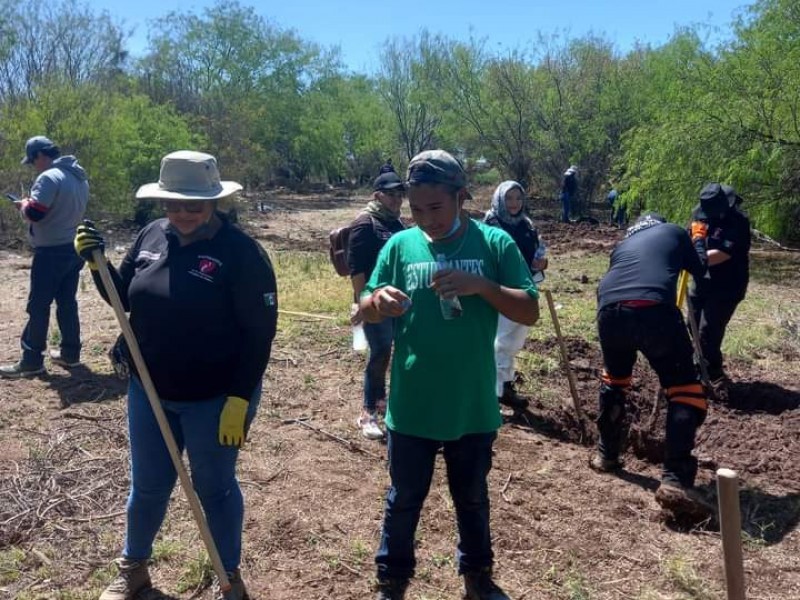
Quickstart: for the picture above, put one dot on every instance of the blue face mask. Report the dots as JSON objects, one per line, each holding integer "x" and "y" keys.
{"x": 453, "y": 229}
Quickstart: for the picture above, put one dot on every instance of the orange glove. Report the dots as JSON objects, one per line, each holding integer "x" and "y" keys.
{"x": 699, "y": 230}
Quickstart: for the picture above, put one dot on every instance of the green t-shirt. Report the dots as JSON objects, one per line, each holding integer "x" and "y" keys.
{"x": 443, "y": 371}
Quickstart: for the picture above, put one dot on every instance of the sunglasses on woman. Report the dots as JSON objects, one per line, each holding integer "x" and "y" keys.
{"x": 189, "y": 206}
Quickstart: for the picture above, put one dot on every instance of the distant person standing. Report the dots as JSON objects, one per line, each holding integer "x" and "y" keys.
{"x": 619, "y": 216}
{"x": 569, "y": 191}
{"x": 369, "y": 233}
{"x": 387, "y": 167}
{"x": 726, "y": 229}
{"x": 53, "y": 211}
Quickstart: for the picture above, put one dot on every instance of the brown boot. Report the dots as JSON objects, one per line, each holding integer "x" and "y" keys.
{"x": 683, "y": 502}
{"x": 133, "y": 577}
{"x": 237, "y": 592}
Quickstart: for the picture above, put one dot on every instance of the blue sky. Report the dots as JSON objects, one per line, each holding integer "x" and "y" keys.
{"x": 360, "y": 26}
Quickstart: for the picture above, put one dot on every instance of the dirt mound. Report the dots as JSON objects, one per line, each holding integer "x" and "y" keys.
{"x": 757, "y": 432}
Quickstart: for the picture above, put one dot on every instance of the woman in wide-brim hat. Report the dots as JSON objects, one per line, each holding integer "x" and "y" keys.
{"x": 203, "y": 305}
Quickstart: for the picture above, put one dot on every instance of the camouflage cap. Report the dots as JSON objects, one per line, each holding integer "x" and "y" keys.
{"x": 436, "y": 166}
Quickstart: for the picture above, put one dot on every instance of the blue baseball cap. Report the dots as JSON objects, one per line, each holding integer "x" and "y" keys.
{"x": 34, "y": 146}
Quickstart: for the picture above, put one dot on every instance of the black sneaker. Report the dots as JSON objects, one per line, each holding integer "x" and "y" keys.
{"x": 511, "y": 399}
{"x": 20, "y": 370}
{"x": 57, "y": 359}
{"x": 479, "y": 586}
{"x": 391, "y": 589}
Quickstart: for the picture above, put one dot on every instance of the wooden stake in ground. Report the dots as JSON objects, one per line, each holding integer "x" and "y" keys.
{"x": 573, "y": 389}
{"x": 152, "y": 395}
{"x": 731, "y": 526}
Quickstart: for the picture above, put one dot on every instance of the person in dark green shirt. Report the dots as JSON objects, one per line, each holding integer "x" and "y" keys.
{"x": 443, "y": 370}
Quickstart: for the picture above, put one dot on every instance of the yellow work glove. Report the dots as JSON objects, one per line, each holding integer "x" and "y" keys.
{"x": 231, "y": 421}
{"x": 87, "y": 240}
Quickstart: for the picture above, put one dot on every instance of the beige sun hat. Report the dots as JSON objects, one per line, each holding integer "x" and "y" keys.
{"x": 188, "y": 175}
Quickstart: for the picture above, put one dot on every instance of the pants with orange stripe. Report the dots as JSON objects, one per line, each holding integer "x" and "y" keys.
{"x": 660, "y": 334}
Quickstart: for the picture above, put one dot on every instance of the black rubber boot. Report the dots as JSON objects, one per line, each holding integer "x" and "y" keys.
{"x": 610, "y": 422}
{"x": 680, "y": 467}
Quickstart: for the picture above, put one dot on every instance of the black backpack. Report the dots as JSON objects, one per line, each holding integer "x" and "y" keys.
{"x": 339, "y": 240}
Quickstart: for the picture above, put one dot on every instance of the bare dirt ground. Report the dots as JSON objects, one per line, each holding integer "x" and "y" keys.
{"x": 314, "y": 505}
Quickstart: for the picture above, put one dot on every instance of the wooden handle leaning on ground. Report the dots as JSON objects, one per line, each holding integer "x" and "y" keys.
{"x": 186, "y": 484}
{"x": 573, "y": 388}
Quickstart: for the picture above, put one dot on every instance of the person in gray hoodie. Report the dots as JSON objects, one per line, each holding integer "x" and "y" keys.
{"x": 53, "y": 210}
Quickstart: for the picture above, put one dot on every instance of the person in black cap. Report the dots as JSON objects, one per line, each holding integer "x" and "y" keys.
{"x": 726, "y": 231}
{"x": 369, "y": 232}
{"x": 52, "y": 212}
{"x": 637, "y": 312}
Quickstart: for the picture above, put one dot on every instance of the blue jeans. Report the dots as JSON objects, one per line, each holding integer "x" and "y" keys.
{"x": 54, "y": 277}
{"x": 379, "y": 338}
{"x": 195, "y": 426}
{"x": 411, "y": 462}
{"x": 566, "y": 200}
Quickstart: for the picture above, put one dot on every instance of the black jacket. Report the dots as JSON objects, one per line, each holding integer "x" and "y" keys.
{"x": 646, "y": 266}
{"x": 524, "y": 233}
{"x": 204, "y": 314}
{"x": 731, "y": 235}
{"x": 368, "y": 235}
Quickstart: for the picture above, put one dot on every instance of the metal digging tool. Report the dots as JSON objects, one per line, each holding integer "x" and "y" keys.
{"x": 186, "y": 484}
{"x": 573, "y": 388}
{"x": 697, "y": 349}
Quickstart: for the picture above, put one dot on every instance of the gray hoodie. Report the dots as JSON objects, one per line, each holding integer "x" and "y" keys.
{"x": 63, "y": 190}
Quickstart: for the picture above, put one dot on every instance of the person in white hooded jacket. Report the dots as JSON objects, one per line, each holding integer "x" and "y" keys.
{"x": 508, "y": 213}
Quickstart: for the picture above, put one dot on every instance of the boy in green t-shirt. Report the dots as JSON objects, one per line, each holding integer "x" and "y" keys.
{"x": 445, "y": 281}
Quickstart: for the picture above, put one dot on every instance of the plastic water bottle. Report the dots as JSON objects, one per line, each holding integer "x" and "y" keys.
{"x": 541, "y": 252}
{"x": 359, "y": 338}
{"x": 451, "y": 307}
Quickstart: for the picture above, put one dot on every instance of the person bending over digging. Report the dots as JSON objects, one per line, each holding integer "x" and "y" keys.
{"x": 637, "y": 311}
{"x": 444, "y": 281}
{"x": 203, "y": 305}
{"x": 508, "y": 213}
{"x": 369, "y": 233}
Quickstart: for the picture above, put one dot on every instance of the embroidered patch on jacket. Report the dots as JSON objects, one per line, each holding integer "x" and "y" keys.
{"x": 207, "y": 267}
{"x": 271, "y": 299}
{"x": 147, "y": 255}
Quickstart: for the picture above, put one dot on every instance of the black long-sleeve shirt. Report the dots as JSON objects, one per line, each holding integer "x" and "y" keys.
{"x": 524, "y": 234}
{"x": 570, "y": 184}
{"x": 646, "y": 266}
{"x": 204, "y": 314}
{"x": 368, "y": 234}
{"x": 731, "y": 235}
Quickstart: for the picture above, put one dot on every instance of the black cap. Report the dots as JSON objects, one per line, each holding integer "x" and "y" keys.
{"x": 714, "y": 201}
{"x": 388, "y": 181}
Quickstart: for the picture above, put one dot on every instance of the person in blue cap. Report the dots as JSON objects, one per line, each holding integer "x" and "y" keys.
{"x": 53, "y": 210}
